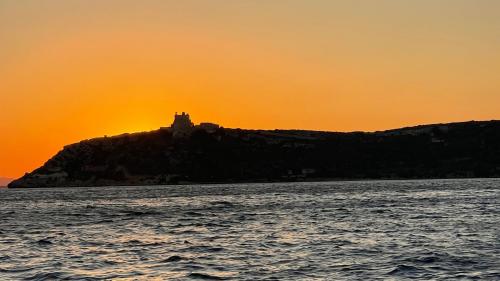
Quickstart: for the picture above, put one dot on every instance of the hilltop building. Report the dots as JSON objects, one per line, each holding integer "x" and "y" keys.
{"x": 209, "y": 127}
{"x": 183, "y": 126}
{"x": 182, "y": 122}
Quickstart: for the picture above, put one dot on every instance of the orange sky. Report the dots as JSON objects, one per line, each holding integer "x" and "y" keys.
{"x": 71, "y": 70}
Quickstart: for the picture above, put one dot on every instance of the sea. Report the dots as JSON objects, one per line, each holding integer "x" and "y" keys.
{"x": 352, "y": 230}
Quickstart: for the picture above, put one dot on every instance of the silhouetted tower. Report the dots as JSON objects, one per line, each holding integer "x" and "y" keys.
{"x": 182, "y": 124}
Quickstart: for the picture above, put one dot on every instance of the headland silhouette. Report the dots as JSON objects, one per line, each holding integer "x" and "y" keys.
{"x": 208, "y": 153}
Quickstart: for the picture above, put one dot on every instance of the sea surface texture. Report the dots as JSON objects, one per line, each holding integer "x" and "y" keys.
{"x": 378, "y": 230}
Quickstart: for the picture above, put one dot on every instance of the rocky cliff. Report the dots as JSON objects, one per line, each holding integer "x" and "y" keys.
{"x": 470, "y": 149}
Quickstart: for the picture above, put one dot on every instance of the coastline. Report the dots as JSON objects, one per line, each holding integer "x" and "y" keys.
{"x": 190, "y": 154}
{"x": 312, "y": 180}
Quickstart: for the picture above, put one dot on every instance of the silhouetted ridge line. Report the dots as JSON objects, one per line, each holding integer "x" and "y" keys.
{"x": 208, "y": 153}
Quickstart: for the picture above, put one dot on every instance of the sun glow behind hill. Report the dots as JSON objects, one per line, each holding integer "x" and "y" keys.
{"x": 73, "y": 70}
{"x": 4, "y": 181}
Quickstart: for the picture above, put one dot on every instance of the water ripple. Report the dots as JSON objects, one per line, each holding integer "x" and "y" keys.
{"x": 374, "y": 230}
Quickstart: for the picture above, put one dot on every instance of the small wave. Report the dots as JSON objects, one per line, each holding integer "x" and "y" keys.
{"x": 424, "y": 258}
{"x": 136, "y": 242}
{"x": 222, "y": 203}
{"x": 110, "y": 262}
{"x": 242, "y": 218}
{"x": 92, "y": 243}
{"x": 15, "y": 270}
{"x": 401, "y": 268}
{"x": 79, "y": 215}
{"x": 187, "y": 231}
{"x": 141, "y": 213}
{"x": 194, "y": 267}
{"x": 205, "y": 276}
{"x": 405, "y": 270}
{"x": 133, "y": 241}
{"x": 193, "y": 214}
{"x": 44, "y": 242}
{"x": 221, "y": 224}
{"x": 204, "y": 249}
{"x": 105, "y": 221}
{"x": 46, "y": 276}
{"x": 173, "y": 259}
{"x": 430, "y": 259}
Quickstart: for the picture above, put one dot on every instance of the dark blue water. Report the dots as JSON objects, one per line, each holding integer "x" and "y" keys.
{"x": 381, "y": 230}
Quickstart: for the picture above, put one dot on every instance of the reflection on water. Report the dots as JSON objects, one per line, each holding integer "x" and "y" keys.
{"x": 437, "y": 229}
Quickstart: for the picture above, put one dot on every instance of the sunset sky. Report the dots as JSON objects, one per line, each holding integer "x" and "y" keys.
{"x": 72, "y": 70}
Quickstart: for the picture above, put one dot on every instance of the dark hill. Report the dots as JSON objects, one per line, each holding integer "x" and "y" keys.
{"x": 470, "y": 149}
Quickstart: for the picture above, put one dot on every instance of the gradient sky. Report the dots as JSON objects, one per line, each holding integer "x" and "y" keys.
{"x": 72, "y": 70}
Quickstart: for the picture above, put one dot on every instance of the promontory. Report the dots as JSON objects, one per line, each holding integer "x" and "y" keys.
{"x": 208, "y": 153}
